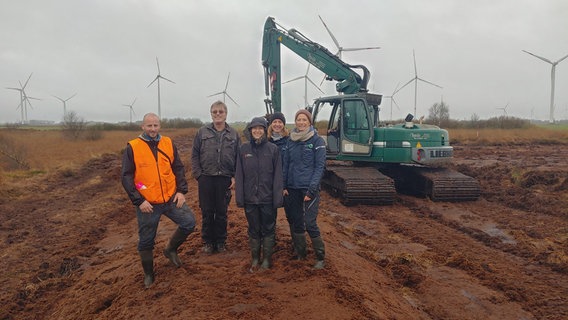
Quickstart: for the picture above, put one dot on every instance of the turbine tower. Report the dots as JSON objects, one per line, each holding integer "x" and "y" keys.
{"x": 415, "y": 79}
{"x": 64, "y": 101}
{"x": 157, "y": 78}
{"x": 552, "y": 80}
{"x": 131, "y": 109}
{"x": 306, "y": 80}
{"x": 340, "y": 49}
{"x": 224, "y": 92}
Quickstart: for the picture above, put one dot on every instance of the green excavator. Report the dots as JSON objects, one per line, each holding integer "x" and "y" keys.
{"x": 367, "y": 161}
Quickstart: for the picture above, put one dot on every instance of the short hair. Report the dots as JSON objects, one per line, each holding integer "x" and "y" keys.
{"x": 219, "y": 103}
{"x": 148, "y": 115}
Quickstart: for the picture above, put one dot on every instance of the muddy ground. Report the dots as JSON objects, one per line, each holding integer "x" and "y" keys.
{"x": 68, "y": 251}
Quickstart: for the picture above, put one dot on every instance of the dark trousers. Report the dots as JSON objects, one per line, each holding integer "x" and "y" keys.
{"x": 148, "y": 222}
{"x": 261, "y": 220}
{"x": 214, "y": 197}
{"x": 302, "y": 215}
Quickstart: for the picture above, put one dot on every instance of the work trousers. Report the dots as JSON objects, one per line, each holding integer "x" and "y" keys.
{"x": 214, "y": 197}
{"x": 261, "y": 220}
{"x": 148, "y": 222}
{"x": 302, "y": 215}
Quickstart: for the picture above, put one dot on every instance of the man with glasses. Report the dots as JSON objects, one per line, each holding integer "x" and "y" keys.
{"x": 213, "y": 163}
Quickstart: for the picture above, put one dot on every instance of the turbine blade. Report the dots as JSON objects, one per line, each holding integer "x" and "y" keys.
{"x": 218, "y": 93}
{"x": 404, "y": 85}
{"x": 297, "y": 78}
{"x": 232, "y": 99}
{"x": 156, "y": 78}
{"x": 331, "y": 34}
{"x": 430, "y": 83}
{"x": 227, "y": 83}
{"x": 71, "y": 97}
{"x": 167, "y": 79}
{"x": 566, "y": 56}
{"x": 541, "y": 58}
{"x": 359, "y": 49}
{"x": 158, "y": 64}
{"x": 315, "y": 85}
{"x": 59, "y": 98}
{"x": 415, "y": 69}
{"x": 26, "y": 81}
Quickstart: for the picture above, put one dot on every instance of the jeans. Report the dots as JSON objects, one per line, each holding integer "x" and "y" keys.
{"x": 214, "y": 196}
{"x": 261, "y": 220}
{"x": 302, "y": 215}
{"x": 148, "y": 222}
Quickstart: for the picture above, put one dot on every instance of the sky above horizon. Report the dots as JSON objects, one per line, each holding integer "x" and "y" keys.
{"x": 104, "y": 52}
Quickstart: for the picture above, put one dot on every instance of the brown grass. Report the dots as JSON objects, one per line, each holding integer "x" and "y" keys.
{"x": 508, "y": 136}
{"x": 46, "y": 150}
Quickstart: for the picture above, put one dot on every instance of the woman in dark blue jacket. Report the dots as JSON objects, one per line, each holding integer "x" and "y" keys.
{"x": 303, "y": 168}
{"x": 258, "y": 189}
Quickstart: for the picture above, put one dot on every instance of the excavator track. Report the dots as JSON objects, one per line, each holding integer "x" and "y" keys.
{"x": 359, "y": 185}
{"x": 439, "y": 184}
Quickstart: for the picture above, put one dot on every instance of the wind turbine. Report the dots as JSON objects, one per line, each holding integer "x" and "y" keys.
{"x": 306, "y": 80}
{"x": 24, "y": 100}
{"x": 415, "y": 79}
{"x": 340, "y": 49}
{"x": 391, "y": 97}
{"x": 224, "y": 92}
{"x": 64, "y": 101}
{"x": 552, "y": 79}
{"x": 131, "y": 109}
{"x": 157, "y": 78}
{"x": 504, "y": 109}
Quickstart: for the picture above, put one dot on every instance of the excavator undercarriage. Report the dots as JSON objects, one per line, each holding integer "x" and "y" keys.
{"x": 379, "y": 185}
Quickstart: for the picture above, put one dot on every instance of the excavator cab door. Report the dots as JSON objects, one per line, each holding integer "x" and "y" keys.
{"x": 356, "y": 133}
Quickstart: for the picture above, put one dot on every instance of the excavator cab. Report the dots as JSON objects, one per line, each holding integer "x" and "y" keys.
{"x": 349, "y": 130}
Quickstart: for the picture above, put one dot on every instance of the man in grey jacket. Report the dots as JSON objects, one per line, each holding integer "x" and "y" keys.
{"x": 213, "y": 162}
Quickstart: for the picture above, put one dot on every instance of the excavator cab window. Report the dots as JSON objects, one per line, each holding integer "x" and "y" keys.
{"x": 356, "y": 122}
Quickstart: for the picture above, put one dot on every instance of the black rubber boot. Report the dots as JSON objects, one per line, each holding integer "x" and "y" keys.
{"x": 147, "y": 258}
{"x": 319, "y": 249}
{"x": 254, "y": 245}
{"x": 267, "y": 249}
{"x": 294, "y": 253}
{"x": 300, "y": 245}
{"x": 171, "y": 249}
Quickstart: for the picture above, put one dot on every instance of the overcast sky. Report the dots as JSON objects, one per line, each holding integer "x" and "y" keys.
{"x": 105, "y": 52}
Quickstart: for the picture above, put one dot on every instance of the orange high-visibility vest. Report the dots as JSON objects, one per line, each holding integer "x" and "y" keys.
{"x": 154, "y": 179}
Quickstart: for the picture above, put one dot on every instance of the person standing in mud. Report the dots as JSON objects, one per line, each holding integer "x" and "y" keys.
{"x": 213, "y": 163}
{"x": 153, "y": 176}
{"x": 303, "y": 168}
{"x": 258, "y": 190}
{"x": 279, "y": 135}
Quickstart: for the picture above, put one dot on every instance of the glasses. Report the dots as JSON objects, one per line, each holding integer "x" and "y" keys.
{"x": 217, "y": 111}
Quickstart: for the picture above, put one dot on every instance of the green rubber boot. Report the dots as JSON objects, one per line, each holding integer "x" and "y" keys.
{"x": 267, "y": 249}
{"x": 171, "y": 249}
{"x": 319, "y": 249}
{"x": 147, "y": 258}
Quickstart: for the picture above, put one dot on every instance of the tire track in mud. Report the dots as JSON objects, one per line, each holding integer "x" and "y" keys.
{"x": 419, "y": 242}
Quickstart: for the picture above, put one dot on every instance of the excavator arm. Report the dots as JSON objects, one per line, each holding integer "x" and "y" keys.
{"x": 348, "y": 81}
